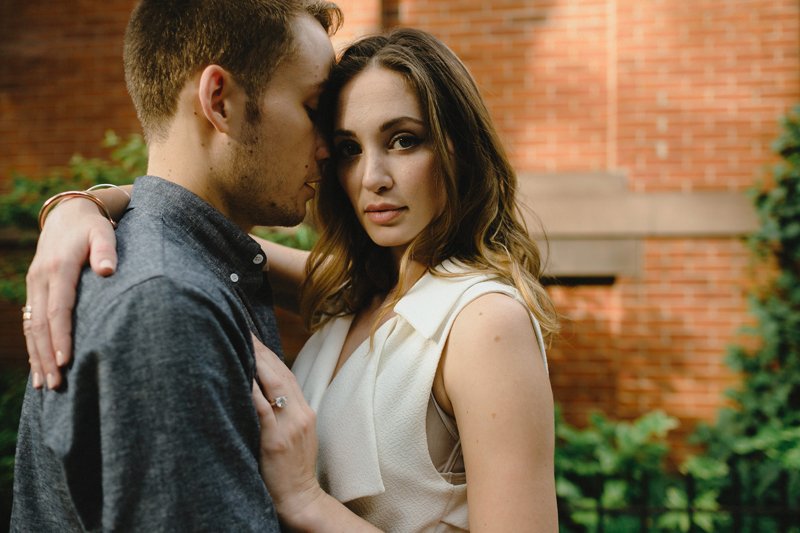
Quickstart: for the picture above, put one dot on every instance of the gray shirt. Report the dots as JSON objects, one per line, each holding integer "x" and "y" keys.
{"x": 155, "y": 429}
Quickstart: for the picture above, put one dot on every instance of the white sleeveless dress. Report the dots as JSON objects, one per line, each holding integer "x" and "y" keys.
{"x": 371, "y": 419}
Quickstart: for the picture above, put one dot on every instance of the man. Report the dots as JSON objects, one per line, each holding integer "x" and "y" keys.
{"x": 152, "y": 426}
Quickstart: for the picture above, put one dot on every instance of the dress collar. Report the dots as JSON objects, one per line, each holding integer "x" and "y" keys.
{"x": 432, "y": 298}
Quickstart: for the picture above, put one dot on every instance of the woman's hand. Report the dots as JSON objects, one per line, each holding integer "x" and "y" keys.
{"x": 289, "y": 453}
{"x": 288, "y": 436}
{"x": 74, "y": 231}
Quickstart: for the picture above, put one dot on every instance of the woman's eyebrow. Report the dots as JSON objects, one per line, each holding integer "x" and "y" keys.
{"x": 391, "y": 123}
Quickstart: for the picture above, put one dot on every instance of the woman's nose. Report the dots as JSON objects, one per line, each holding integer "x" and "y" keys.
{"x": 376, "y": 174}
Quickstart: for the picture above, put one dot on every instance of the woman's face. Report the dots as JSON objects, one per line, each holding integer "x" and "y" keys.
{"x": 385, "y": 160}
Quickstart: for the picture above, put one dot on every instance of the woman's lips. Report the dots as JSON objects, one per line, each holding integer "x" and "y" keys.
{"x": 383, "y": 214}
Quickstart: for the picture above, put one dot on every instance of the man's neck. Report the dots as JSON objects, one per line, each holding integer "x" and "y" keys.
{"x": 190, "y": 169}
{"x": 174, "y": 163}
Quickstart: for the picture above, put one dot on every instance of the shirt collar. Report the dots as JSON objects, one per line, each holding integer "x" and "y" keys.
{"x": 230, "y": 251}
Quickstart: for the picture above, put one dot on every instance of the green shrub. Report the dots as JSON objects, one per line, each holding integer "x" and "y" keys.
{"x": 19, "y": 208}
{"x": 757, "y": 441}
{"x": 615, "y": 465}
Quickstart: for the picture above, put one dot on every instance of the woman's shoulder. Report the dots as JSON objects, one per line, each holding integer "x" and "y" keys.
{"x": 494, "y": 310}
{"x": 493, "y": 326}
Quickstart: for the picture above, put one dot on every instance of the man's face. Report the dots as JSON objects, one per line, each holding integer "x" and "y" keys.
{"x": 277, "y": 159}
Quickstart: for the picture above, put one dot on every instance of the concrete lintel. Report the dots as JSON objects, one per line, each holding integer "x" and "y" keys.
{"x": 618, "y": 213}
{"x": 592, "y": 257}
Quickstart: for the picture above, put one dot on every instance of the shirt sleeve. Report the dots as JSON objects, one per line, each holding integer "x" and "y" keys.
{"x": 157, "y": 428}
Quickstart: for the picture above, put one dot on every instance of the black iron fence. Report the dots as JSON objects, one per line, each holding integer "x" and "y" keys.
{"x": 733, "y": 509}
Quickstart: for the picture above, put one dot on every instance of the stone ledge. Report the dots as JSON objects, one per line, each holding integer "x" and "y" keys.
{"x": 601, "y": 206}
{"x": 591, "y": 257}
{"x": 594, "y": 223}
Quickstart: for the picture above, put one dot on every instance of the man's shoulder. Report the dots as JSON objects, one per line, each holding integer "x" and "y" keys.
{"x": 147, "y": 242}
{"x": 157, "y": 322}
{"x": 164, "y": 279}
{"x": 154, "y": 291}
{"x": 151, "y": 254}
{"x": 155, "y": 282}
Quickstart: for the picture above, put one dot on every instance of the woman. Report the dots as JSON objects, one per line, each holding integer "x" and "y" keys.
{"x": 426, "y": 367}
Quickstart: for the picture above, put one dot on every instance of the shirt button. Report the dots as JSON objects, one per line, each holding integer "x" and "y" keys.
{"x": 258, "y": 259}
{"x": 234, "y": 277}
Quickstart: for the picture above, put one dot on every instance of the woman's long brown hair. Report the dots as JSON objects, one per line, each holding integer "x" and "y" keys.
{"x": 481, "y": 225}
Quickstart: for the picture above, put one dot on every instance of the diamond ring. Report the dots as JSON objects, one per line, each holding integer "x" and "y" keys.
{"x": 279, "y": 402}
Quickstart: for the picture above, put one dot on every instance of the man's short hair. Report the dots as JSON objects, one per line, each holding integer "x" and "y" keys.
{"x": 169, "y": 41}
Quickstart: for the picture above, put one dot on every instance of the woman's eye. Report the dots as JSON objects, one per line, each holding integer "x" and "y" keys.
{"x": 404, "y": 142}
{"x": 347, "y": 149}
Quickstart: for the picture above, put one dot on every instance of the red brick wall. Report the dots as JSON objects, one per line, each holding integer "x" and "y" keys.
{"x": 361, "y": 17}
{"x": 700, "y": 86}
{"x": 541, "y": 66}
{"x": 681, "y": 95}
{"x": 677, "y": 95}
{"x": 656, "y": 342}
{"x": 63, "y": 84}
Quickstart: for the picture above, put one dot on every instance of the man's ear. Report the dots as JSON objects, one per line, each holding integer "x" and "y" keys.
{"x": 218, "y": 95}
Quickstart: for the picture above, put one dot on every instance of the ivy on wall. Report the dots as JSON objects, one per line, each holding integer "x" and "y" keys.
{"x": 759, "y": 435}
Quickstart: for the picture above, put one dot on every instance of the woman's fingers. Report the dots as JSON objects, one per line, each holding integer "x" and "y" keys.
{"x": 37, "y": 332}
{"x": 288, "y": 433}
{"x": 263, "y": 409}
{"x": 103, "y": 249}
{"x": 62, "y": 293}
{"x": 33, "y": 354}
{"x": 73, "y": 232}
{"x": 274, "y": 377}
{"x": 61, "y": 296}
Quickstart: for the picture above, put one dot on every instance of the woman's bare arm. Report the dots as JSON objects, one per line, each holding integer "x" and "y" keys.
{"x": 74, "y": 231}
{"x": 497, "y": 386}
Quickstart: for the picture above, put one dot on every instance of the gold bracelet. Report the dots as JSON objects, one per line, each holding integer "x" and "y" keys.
{"x": 66, "y": 195}
{"x": 109, "y": 186}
